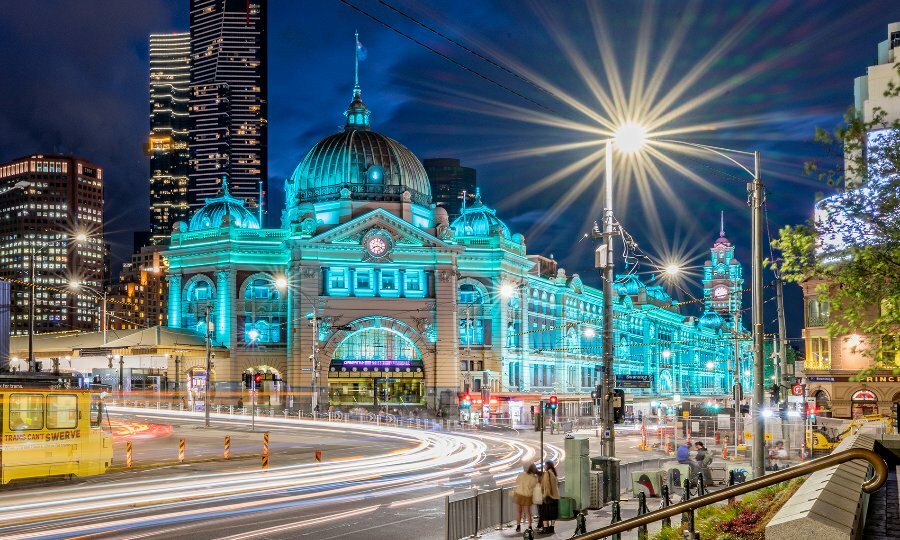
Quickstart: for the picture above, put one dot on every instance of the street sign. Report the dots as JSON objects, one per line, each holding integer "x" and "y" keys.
{"x": 634, "y": 381}
{"x": 768, "y": 436}
{"x": 748, "y": 435}
{"x": 797, "y": 389}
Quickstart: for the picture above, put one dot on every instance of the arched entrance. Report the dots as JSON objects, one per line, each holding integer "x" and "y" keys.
{"x": 823, "y": 404}
{"x": 263, "y": 385}
{"x": 378, "y": 364}
{"x": 863, "y": 402}
{"x": 665, "y": 382}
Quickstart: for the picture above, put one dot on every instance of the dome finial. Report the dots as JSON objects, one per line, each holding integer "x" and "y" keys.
{"x": 357, "y": 114}
{"x": 722, "y": 224}
{"x": 225, "y": 186}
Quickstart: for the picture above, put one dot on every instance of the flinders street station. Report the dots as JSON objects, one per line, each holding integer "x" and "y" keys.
{"x": 369, "y": 295}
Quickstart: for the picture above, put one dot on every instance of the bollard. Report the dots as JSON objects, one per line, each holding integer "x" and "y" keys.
{"x": 701, "y": 485}
{"x": 319, "y": 456}
{"x": 664, "y": 503}
{"x": 731, "y": 482}
{"x": 667, "y": 444}
{"x": 128, "y": 454}
{"x": 687, "y": 518}
{"x": 642, "y": 509}
{"x": 180, "y": 450}
{"x": 725, "y": 452}
{"x": 581, "y": 523}
{"x": 227, "y": 446}
{"x": 265, "y": 453}
{"x": 616, "y": 517}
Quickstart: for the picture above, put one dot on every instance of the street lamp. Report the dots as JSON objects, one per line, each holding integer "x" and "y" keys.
{"x": 75, "y": 285}
{"x": 672, "y": 270}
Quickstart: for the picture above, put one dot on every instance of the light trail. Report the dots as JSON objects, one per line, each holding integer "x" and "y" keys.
{"x": 428, "y": 460}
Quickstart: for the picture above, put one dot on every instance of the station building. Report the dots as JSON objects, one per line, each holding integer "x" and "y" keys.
{"x": 368, "y": 295}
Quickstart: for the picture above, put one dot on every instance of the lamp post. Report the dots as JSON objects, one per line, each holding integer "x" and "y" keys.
{"x": 206, "y": 402}
{"x": 102, "y": 294}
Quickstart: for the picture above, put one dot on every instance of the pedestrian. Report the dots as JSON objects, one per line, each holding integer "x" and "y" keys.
{"x": 548, "y": 510}
{"x": 523, "y": 494}
{"x": 240, "y": 403}
{"x": 779, "y": 454}
{"x": 704, "y": 460}
{"x": 683, "y": 457}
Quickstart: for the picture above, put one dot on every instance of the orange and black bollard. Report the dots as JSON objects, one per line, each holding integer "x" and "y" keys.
{"x": 265, "y": 454}
{"x": 227, "y": 446}
{"x": 319, "y": 456}
{"x": 180, "y": 450}
{"x": 128, "y": 454}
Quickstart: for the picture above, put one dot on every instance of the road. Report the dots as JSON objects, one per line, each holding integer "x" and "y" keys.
{"x": 375, "y": 482}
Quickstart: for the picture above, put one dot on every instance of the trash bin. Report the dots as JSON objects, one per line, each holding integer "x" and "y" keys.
{"x": 566, "y": 505}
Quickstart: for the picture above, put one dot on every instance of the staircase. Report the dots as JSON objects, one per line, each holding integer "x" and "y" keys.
{"x": 884, "y": 510}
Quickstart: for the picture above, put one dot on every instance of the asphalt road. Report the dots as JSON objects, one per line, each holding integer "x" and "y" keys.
{"x": 374, "y": 482}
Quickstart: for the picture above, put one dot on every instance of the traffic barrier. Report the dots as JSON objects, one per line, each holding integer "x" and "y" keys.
{"x": 265, "y": 454}
{"x": 180, "y": 450}
{"x": 227, "y": 446}
{"x": 725, "y": 452}
{"x": 319, "y": 456}
{"x": 128, "y": 454}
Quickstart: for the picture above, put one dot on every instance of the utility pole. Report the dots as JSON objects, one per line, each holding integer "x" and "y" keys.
{"x": 206, "y": 401}
{"x": 783, "y": 377}
{"x": 756, "y": 199}
{"x": 737, "y": 389}
{"x": 603, "y": 260}
{"x": 314, "y": 403}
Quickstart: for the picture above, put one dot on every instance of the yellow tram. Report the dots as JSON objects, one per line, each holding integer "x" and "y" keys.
{"x": 52, "y": 432}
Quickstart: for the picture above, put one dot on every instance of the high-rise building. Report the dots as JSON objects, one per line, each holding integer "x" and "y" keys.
{"x": 39, "y": 225}
{"x": 170, "y": 92}
{"x": 449, "y": 180}
{"x": 138, "y": 300}
{"x": 228, "y": 108}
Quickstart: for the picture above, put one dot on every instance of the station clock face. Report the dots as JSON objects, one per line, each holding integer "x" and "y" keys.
{"x": 377, "y": 246}
{"x": 720, "y": 292}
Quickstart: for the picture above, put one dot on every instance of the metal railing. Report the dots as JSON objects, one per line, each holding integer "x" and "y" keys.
{"x": 484, "y": 510}
{"x": 878, "y": 479}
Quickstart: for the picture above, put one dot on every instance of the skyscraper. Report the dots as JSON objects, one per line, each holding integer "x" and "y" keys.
{"x": 228, "y": 108}
{"x": 170, "y": 92}
{"x": 448, "y": 181}
{"x": 38, "y": 225}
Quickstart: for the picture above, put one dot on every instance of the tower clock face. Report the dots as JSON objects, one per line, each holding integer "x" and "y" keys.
{"x": 377, "y": 246}
{"x": 720, "y": 292}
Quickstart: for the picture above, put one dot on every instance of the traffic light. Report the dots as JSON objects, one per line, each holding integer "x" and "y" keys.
{"x": 466, "y": 401}
{"x": 598, "y": 394}
{"x": 245, "y": 378}
{"x": 618, "y": 406}
{"x": 811, "y": 411}
{"x": 552, "y": 403}
{"x": 776, "y": 393}
{"x": 257, "y": 378}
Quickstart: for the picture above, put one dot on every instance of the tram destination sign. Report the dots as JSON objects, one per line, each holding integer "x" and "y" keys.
{"x": 634, "y": 381}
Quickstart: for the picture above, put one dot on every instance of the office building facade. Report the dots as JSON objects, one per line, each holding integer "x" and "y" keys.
{"x": 450, "y": 182}
{"x": 170, "y": 92}
{"x": 228, "y": 105}
{"x": 38, "y": 225}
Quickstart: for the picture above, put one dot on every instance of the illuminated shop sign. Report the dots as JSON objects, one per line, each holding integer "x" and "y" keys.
{"x": 376, "y": 363}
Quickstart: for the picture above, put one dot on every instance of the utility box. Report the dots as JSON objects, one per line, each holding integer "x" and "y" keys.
{"x": 578, "y": 481}
{"x": 609, "y": 467}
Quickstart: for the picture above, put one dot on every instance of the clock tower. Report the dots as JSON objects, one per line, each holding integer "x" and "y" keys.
{"x": 723, "y": 278}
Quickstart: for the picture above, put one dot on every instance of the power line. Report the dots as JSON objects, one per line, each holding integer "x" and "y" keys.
{"x": 469, "y": 50}
{"x": 444, "y": 56}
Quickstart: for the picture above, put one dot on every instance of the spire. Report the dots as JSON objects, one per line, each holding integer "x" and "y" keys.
{"x": 357, "y": 114}
{"x": 722, "y": 224}
{"x": 465, "y": 194}
{"x": 225, "y": 186}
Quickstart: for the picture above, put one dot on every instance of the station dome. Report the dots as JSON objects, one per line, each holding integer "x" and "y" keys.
{"x": 370, "y": 165}
{"x": 479, "y": 220}
{"x": 225, "y": 208}
{"x": 711, "y": 319}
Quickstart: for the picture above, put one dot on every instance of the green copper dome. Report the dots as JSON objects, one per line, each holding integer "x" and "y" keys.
{"x": 478, "y": 220}
{"x": 370, "y": 165}
{"x": 213, "y": 214}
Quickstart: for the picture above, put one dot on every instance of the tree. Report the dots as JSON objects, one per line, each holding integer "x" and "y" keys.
{"x": 853, "y": 242}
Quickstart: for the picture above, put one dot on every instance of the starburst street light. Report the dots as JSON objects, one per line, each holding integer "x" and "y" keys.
{"x": 630, "y": 137}
{"x": 672, "y": 270}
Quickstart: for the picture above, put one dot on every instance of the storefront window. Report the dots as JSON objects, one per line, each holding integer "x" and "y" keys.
{"x": 818, "y": 353}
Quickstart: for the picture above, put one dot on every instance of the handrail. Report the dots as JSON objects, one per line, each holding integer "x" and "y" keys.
{"x": 878, "y": 479}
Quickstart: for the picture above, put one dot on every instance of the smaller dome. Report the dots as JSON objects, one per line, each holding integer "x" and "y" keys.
{"x": 223, "y": 210}
{"x": 479, "y": 220}
{"x": 440, "y": 216}
{"x": 711, "y": 319}
{"x": 629, "y": 284}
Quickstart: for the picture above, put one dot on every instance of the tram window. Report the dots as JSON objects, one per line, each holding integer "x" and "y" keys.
{"x": 62, "y": 411}
{"x": 96, "y": 410}
{"x": 26, "y": 411}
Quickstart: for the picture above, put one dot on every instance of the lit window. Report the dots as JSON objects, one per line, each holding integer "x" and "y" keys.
{"x": 364, "y": 280}
{"x": 337, "y": 279}
{"x": 388, "y": 280}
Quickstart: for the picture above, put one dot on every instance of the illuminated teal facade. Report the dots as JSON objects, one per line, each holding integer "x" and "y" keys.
{"x": 368, "y": 295}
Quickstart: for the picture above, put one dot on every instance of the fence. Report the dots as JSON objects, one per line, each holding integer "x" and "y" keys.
{"x": 483, "y": 510}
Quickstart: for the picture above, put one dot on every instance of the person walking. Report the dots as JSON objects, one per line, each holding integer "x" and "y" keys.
{"x": 704, "y": 460}
{"x": 549, "y": 508}
{"x": 523, "y": 494}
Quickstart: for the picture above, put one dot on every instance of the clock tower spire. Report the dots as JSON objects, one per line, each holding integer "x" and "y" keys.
{"x": 723, "y": 277}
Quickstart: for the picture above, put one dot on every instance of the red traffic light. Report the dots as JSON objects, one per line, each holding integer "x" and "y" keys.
{"x": 554, "y": 400}
{"x": 257, "y": 378}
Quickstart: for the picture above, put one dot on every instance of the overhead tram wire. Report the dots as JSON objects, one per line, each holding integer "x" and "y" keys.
{"x": 445, "y": 57}
{"x": 468, "y": 50}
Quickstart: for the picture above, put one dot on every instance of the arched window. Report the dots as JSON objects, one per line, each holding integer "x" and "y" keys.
{"x": 264, "y": 311}
{"x": 377, "y": 344}
{"x": 199, "y": 292}
{"x": 469, "y": 293}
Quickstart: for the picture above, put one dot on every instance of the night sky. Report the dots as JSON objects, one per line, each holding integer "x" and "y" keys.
{"x": 75, "y": 80}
